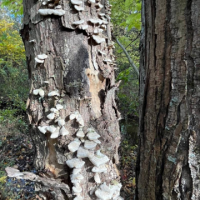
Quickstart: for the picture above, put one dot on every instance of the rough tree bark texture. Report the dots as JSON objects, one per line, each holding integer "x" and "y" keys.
{"x": 70, "y": 53}
{"x": 169, "y": 153}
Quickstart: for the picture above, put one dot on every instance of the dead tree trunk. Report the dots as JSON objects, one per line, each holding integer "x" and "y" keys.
{"x": 169, "y": 153}
{"x": 71, "y": 106}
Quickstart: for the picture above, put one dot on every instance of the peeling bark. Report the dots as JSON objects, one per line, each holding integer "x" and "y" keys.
{"x": 80, "y": 71}
{"x": 168, "y": 159}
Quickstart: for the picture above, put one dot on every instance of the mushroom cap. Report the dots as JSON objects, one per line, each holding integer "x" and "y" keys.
{"x": 64, "y": 131}
{"x": 75, "y": 163}
{"x": 98, "y": 39}
{"x": 74, "y": 145}
{"x": 56, "y": 133}
{"x": 90, "y": 144}
{"x": 76, "y": 2}
{"x": 38, "y": 60}
{"x": 42, "y": 56}
{"x": 78, "y": 22}
{"x": 99, "y": 160}
{"x": 45, "y": 12}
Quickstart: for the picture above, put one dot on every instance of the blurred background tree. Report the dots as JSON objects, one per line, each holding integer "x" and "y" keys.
{"x": 13, "y": 72}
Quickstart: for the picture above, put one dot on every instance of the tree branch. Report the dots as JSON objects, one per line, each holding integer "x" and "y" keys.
{"x": 129, "y": 58}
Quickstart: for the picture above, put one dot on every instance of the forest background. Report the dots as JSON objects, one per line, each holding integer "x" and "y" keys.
{"x": 14, "y": 88}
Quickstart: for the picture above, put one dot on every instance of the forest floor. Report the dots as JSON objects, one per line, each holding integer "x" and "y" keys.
{"x": 16, "y": 150}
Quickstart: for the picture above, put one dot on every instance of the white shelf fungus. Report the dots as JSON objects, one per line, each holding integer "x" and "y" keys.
{"x": 77, "y": 189}
{"x": 97, "y": 141}
{"x": 75, "y": 163}
{"x": 42, "y": 56}
{"x": 54, "y": 110}
{"x": 99, "y": 169}
{"x": 95, "y": 21}
{"x": 74, "y": 145}
{"x": 83, "y": 27}
{"x": 78, "y": 22}
{"x": 76, "y": 115}
{"x": 51, "y": 116}
{"x": 64, "y": 131}
{"x": 56, "y": 133}
{"x": 59, "y": 107}
{"x": 39, "y": 91}
{"x": 99, "y": 159}
{"x": 51, "y": 129}
{"x": 84, "y": 153}
{"x": 39, "y": 61}
{"x": 80, "y": 133}
{"x": 91, "y": 1}
{"x": 97, "y": 178}
{"x": 76, "y": 178}
{"x": 92, "y": 134}
{"x": 78, "y": 8}
{"x": 76, "y": 171}
{"x": 76, "y": 2}
{"x": 42, "y": 129}
{"x": 53, "y": 93}
{"x": 98, "y": 39}
{"x": 45, "y": 12}
{"x": 90, "y": 144}
{"x": 61, "y": 122}
{"x": 99, "y": 5}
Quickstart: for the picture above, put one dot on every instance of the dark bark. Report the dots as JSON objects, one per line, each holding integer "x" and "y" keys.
{"x": 76, "y": 68}
{"x": 168, "y": 159}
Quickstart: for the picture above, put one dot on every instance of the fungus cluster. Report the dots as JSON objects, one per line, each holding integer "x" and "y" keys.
{"x": 83, "y": 145}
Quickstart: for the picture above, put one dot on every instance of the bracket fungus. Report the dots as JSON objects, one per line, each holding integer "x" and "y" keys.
{"x": 75, "y": 163}
{"x": 100, "y": 169}
{"x": 83, "y": 27}
{"x": 45, "y": 12}
{"x": 98, "y": 39}
{"x": 77, "y": 188}
{"x": 39, "y": 61}
{"x": 51, "y": 129}
{"x": 74, "y": 145}
{"x": 97, "y": 178}
{"x": 99, "y": 159}
{"x": 84, "y": 153}
{"x": 64, "y": 131}
{"x": 76, "y": 115}
{"x": 39, "y": 92}
{"x": 42, "y": 129}
{"x": 90, "y": 144}
{"x": 51, "y": 116}
{"x": 91, "y": 1}
{"x": 78, "y": 8}
{"x": 80, "y": 133}
{"x": 78, "y": 22}
{"x": 53, "y": 93}
{"x": 56, "y": 133}
{"x": 95, "y": 21}
{"x": 76, "y": 2}
{"x": 92, "y": 134}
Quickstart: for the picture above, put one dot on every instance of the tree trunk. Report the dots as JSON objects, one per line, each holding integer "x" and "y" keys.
{"x": 70, "y": 53}
{"x": 169, "y": 153}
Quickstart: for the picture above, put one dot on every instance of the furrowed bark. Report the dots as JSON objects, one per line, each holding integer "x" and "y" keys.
{"x": 169, "y": 155}
{"x": 78, "y": 66}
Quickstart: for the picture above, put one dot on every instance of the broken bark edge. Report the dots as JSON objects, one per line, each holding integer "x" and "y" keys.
{"x": 50, "y": 183}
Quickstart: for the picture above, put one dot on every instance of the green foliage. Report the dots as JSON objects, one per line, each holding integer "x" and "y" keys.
{"x": 126, "y": 14}
{"x": 13, "y": 76}
{"x": 16, "y": 7}
{"x": 126, "y": 19}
